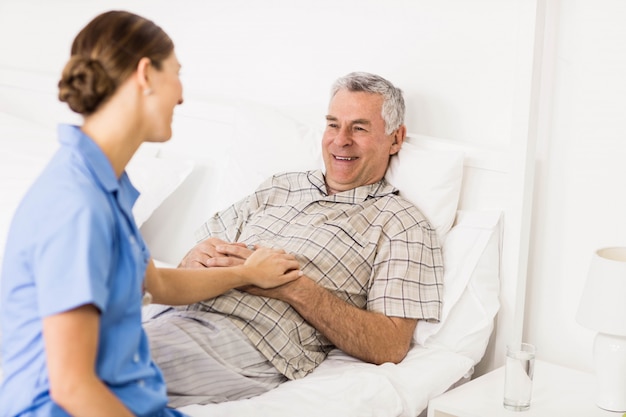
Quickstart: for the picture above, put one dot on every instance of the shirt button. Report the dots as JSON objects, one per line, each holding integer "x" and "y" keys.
{"x": 136, "y": 358}
{"x": 141, "y": 383}
{"x": 132, "y": 240}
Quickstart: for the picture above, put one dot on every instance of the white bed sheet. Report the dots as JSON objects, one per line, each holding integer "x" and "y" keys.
{"x": 344, "y": 386}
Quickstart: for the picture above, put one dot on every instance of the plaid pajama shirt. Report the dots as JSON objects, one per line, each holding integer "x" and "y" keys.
{"x": 368, "y": 246}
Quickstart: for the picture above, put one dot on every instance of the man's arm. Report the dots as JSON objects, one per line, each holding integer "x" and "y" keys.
{"x": 369, "y": 336}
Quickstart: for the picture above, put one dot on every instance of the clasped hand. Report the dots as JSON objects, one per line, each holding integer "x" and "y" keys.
{"x": 215, "y": 252}
{"x": 270, "y": 267}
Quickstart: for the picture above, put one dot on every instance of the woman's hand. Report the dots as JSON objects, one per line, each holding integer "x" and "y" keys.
{"x": 206, "y": 254}
{"x": 269, "y": 268}
{"x": 260, "y": 268}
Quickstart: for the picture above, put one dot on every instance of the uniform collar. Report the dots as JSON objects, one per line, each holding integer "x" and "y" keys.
{"x": 97, "y": 162}
{"x": 99, "y": 165}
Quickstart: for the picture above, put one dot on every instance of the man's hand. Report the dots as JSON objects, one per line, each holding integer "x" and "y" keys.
{"x": 215, "y": 252}
{"x": 281, "y": 292}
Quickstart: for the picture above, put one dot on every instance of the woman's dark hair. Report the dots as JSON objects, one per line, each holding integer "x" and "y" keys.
{"x": 105, "y": 53}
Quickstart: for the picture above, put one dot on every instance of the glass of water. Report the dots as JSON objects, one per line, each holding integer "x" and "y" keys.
{"x": 518, "y": 379}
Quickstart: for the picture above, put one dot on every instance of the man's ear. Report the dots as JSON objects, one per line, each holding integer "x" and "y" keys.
{"x": 143, "y": 75}
{"x": 398, "y": 139}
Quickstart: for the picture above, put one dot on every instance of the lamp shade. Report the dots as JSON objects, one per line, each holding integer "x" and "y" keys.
{"x": 603, "y": 301}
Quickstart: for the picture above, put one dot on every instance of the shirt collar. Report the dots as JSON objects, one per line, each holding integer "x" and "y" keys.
{"x": 362, "y": 193}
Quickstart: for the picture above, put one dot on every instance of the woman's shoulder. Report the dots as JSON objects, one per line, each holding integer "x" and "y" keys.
{"x": 62, "y": 194}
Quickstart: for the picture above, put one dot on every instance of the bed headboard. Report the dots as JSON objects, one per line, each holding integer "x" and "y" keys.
{"x": 489, "y": 184}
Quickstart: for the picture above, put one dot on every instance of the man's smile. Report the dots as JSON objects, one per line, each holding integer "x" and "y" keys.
{"x": 345, "y": 158}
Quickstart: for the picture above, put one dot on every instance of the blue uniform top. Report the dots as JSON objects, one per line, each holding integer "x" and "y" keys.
{"x": 73, "y": 241}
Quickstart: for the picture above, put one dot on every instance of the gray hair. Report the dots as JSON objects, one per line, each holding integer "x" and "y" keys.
{"x": 393, "y": 102}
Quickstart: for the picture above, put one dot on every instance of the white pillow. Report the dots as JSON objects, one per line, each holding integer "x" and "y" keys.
{"x": 202, "y": 132}
{"x": 471, "y": 256}
{"x": 235, "y": 145}
{"x": 267, "y": 142}
{"x": 155, "y": 179}
{"x": 430, "y": 179}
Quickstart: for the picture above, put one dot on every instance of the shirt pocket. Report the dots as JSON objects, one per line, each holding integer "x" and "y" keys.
{"x": 346, "y": 233}
{"x": 341, "y": 260}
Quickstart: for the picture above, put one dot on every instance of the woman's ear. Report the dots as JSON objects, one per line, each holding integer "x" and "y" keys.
{"x": 398, "y": 139}
{"x": 143, "y": 75}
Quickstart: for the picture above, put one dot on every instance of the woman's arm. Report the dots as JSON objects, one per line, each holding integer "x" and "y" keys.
{"x": 71, "y": 341}
{"x": 265, "y": 268}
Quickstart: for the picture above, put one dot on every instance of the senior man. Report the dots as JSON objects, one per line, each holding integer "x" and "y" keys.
{"x": 372, "y": 265}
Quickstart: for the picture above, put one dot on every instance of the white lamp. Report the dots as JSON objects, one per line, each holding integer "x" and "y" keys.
{"x": 603, "y": 308}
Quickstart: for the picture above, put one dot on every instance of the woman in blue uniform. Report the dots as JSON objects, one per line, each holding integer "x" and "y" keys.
{"x": 76, "y": 267}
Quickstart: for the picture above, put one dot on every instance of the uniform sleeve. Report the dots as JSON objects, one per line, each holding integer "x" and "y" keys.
{"x": 73, "y": 257}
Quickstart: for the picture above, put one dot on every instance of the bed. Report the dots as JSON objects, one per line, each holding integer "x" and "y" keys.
{"x": 222, "y": 149}
{"x": 431, "y": 172}
{"x": 256, "y": 76}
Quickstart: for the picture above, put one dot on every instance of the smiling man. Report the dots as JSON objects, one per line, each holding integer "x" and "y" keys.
{"x": 357, "y": 145}
{"x": 371, "y": 261}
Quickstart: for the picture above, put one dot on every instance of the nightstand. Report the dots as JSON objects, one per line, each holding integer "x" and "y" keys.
{"x": 557, "y": 391}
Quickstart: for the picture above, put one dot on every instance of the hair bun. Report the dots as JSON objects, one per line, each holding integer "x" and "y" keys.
{"x": 85, "y": 84}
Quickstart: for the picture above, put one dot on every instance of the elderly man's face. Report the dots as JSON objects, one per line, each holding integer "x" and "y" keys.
{"x": 355, "y": 147}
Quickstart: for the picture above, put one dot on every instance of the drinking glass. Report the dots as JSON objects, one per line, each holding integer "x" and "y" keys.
{"x": 518, "y": 379}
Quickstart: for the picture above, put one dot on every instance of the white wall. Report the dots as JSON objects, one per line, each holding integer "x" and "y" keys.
{"x": 458, "y": 62}
{"x": 580, "y": 203}
{"x": 464, "y": 66}
{"x": 454, "y": 59}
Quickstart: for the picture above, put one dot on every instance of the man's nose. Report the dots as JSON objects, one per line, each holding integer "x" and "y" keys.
{"x": 344, "y": 137}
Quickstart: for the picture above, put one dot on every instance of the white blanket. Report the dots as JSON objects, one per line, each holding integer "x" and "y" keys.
{"x": 343, "y": 386}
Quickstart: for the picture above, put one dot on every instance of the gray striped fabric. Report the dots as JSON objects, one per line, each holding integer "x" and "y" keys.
{"x": 205, "y": 359}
